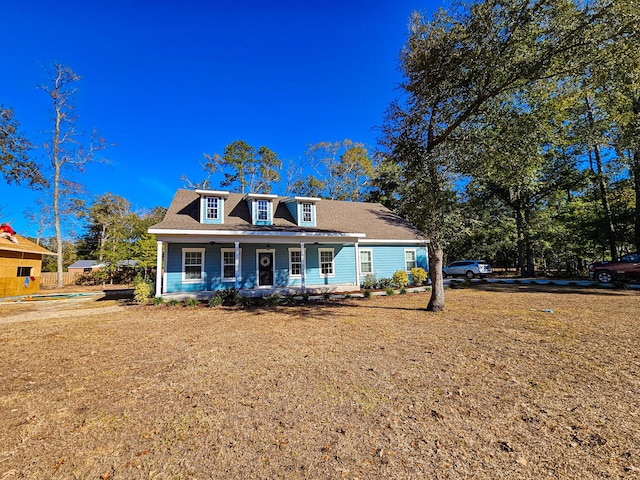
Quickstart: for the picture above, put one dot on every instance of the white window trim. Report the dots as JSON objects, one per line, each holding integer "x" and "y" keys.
{"x": 206, "y": 208}
{"x": 230, "y": 250}
{"x": 268, "y": 210}
{"x": 415, "y": 258}
{"x": 333, "y": 263}
{"x": 184, "y": 270}
{"x": 370, "y": 251}
{"x": 293, "y": 249}
{"x": 302, "y": 212}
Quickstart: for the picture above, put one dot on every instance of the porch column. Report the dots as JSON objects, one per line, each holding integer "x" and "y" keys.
{"x": 303, "y": 267}
{"x": 159, "y": 269}
{"x": 237, "y": 258}
{"x": 357, "y": 247}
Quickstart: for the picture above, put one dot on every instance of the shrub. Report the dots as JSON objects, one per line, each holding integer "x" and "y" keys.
{"x": 158, "y": 301}
{"x": 173, "y": 302}
{"x": 326, "y": 296}
{"x": 369, "y": 281}
{"x": 291, "y": 299}
{"x": 191, "y": 302}
{"x": 418, "y": 276}
{"x": 215, "y": 301}
{"x": 230, "y": 297}
{"x": 385, "y": 283}
{"x": 390, "y": 291}
{"x": 367, "y": 294}
{"x": 400, "y": 278}
{"x": 142, "y": 290}
{"x": 403, "y": 291}
{"x": 272, "y": 300}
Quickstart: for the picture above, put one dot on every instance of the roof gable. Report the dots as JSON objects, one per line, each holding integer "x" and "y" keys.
{"x": 23, "y": 245}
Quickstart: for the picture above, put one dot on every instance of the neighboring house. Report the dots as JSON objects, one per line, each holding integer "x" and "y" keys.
{"x": 88, "y": 266}
{"x": 259, "y": 244}
{"x": 20, "y": 266}
{"x": 85, "y": 266}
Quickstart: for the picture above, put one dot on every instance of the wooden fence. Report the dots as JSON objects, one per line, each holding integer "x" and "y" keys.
{"x": 50, "y": 279}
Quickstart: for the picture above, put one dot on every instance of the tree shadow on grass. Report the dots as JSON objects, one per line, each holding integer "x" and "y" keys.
{"x": 556, "y": 289}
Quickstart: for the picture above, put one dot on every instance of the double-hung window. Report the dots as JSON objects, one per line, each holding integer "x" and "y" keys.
{"x": 229, "y": 264}
{"x": 306, "y": 213}
{"x": 409, "y": 260}
{"x": 327, "y": 267}
{"x": 295, "y": 262}
{"x": 263, "y": 210}
{"x": 192, "y": 265}
{"x": 213, "y": 208}
{"x": 366, "y": 262}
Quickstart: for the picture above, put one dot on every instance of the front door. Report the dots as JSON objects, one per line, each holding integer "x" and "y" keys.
{"x": 265, "y": 269}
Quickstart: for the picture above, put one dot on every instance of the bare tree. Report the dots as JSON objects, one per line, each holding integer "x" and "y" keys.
{"x": 67, "y": 149}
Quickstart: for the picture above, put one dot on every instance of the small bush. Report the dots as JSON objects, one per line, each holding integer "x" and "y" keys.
{"x": 367, "y": 294}
{"x": 347, "y": 296}
{"x": 191, "y": 302}
{"x": 418, "y": 276}
{"x": 173, "y": 302}
{"x": 158, "y": 301}
{"x": 215, "y": 301}
{"x": 369, "y": 281}
{"x": 230, "y": 297}
{"x": 389, "y": 291}
{"x": 290, "y": 300}
{"x": 385, "y": 283}
{"x": 400, "y": 278}
{"x": 403, "y": 291}
{"x": 326, "y": 296}
{"x": 272, "y": 300}
{"x": 142, "y": 291}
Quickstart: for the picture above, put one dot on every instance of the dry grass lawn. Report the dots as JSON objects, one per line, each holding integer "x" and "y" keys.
{"x": 364, "y": 389}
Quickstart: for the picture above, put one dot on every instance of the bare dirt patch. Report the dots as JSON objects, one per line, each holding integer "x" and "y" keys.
{"x": 492, "y": 388}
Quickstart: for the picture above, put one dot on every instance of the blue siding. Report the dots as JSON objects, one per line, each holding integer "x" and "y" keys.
{"x": 386, "y": 260}
{"x": 293, "y": 210}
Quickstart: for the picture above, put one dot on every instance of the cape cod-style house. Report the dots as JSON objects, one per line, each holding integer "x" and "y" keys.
{"x": 262, "y": 244}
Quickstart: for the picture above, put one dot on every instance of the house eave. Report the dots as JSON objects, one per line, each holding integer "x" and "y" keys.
{"x": 382, "y": 241}
{"x": 184, "y": 236}
{"x": 212, "y": 193}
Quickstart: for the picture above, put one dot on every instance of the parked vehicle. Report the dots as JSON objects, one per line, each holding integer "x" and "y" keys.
{"x": 468, "y": 268}
{"x": 625, "y": 268}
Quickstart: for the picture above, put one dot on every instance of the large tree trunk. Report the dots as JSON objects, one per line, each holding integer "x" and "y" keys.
{"x": 436, "y": 302}
{"x": 602, "y": 188}
{"x": 635, "y": 168}
{"x": 527, "y": 242}
{"x": 520, "y": 241}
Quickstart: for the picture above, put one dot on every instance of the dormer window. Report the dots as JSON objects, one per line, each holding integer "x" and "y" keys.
{"x": 307, "y": 216}
{"x": 212, "y": 206}
{"x": 303, "y": 210}
{"x": 263, "y": 210}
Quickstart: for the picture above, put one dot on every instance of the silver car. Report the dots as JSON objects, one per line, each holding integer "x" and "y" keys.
{"x": 468, "y": 268}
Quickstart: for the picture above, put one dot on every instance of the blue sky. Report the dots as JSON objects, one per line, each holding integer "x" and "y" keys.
{"x": 167, "y": 82}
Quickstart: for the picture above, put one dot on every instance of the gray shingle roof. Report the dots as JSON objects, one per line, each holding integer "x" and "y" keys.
{"x": 332, "y": 216}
